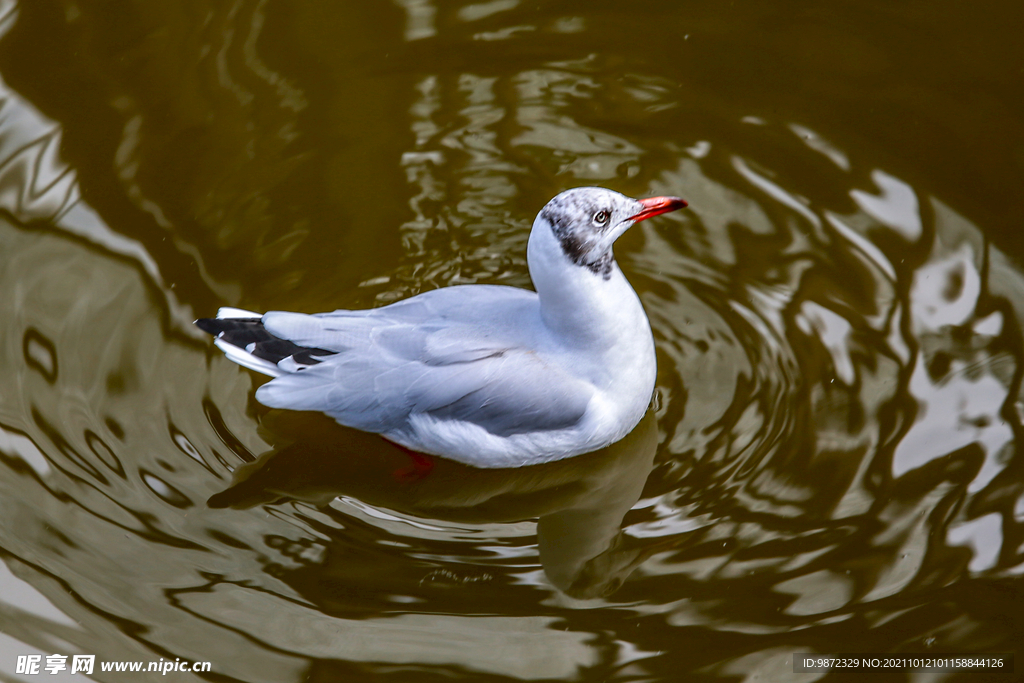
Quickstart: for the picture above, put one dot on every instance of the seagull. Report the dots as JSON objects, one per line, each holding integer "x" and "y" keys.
{"x": 487, "y": 375}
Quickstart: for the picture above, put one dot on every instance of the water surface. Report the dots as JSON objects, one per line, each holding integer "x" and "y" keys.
{"x": 830, "y": 461}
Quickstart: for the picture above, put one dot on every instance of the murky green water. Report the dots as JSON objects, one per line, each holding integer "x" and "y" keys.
{"x": 831, "y": 464}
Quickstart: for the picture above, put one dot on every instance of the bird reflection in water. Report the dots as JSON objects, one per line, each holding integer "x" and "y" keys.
{"x": 579, "y": 502}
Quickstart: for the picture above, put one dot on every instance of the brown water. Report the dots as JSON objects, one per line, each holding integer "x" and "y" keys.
{"x": 831, "y": 464}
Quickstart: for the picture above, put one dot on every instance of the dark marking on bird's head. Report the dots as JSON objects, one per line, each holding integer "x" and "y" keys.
{"x": 586, "y": 221}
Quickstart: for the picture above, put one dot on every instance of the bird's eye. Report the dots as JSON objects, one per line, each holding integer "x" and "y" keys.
{"x": 601, "y": 217}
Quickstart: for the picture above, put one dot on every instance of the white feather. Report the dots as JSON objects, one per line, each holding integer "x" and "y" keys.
{"x": 247, "y": 360}
{"x": 227, "y": 312}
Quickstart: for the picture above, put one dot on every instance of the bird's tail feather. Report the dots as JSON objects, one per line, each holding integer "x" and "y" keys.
{"x": 243, "y": 339}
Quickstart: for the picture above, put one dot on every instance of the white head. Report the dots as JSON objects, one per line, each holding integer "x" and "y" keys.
{"x": 586, "y": 221}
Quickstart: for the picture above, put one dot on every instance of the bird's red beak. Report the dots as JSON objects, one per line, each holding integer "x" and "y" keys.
{"x": 654, "y": 206}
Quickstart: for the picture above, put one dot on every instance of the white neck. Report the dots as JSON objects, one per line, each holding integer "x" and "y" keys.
{"x": 583, "y": 309}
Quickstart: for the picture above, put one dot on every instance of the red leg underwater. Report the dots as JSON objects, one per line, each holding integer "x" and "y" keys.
{"x": 421, "y": 465}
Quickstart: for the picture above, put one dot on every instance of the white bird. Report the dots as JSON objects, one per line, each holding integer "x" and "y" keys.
{"x": 487, "y": 375}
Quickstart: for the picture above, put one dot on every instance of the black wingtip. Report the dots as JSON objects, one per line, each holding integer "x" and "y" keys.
{"x": 208, "y": 325}
{"x": 216, "y": 326}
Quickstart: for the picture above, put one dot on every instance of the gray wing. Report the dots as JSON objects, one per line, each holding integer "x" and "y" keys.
{"x": 391, "y": 365}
